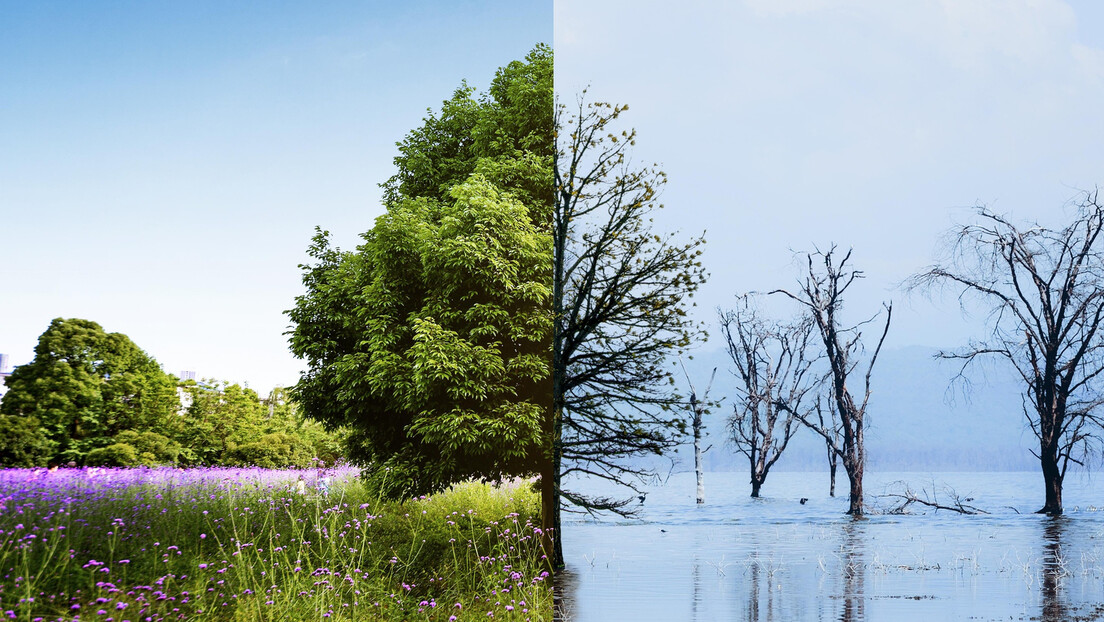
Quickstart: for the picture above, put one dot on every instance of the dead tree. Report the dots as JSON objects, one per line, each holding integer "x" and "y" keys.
{"x": 698, "y": 408}
{"x": 1044, "y": 291}
{"x": 821, "y": 293}
{"x": 832, "y": 439}
{"x": 774, "y": 368}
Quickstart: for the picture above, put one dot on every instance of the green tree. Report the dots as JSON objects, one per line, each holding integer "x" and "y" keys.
{"x": 285, "y": 417}
{"x": 85, "y": 385}
{"x": 23, "y": 442}
{"x": 430, "y": 342}
{"x": 218, "y": 417}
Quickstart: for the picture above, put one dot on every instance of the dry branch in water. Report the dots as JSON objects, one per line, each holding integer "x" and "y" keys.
{"x": 908, "y": 497}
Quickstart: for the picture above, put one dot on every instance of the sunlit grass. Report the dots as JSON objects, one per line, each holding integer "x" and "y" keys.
{"x": 250, "y": 544}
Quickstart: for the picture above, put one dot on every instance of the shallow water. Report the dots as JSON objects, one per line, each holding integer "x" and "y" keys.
{"x": 767, "y": 559}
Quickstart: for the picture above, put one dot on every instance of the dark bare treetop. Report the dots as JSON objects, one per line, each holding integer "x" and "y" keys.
{"x": 821, "y": 293}
{"x": 774, "y": 365}
{"x": 620, "y": 298}
{"x": 1044, "y": 291}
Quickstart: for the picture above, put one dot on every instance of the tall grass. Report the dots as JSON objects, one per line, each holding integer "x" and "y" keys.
{"x": 250, "y": 545}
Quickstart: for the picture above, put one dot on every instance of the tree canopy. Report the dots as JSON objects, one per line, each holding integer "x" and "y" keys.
{"x": 430, "y": 341}
{"x": 1044, "y": 290}
{"x": 86, "y": 385}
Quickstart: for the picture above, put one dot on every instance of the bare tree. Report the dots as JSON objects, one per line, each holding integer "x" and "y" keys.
{"x": 821, "y": 292}
{"x": 620, "y": 293}
{"x": 1044, "y": 289}
{"x": 698, "y": 408}
{"x": 832, "y": 437}
{"x": 774, "y": 366}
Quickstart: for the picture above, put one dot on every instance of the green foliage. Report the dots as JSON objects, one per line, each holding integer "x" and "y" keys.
{"x": 217, "y": 418}
{"x": 153, "y": 448}
{"x": 284, "y": 416}
{"x": 23, "y": 443}
{"x": 430, "y": 343}
{"x": 277, "y": 450}
{"x": 84, "y": 386}
{"x": 115, "y": 455}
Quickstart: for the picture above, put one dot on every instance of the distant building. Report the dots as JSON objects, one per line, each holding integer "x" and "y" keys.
{"x": 187, "y": 375}
{"x": 5, "y": 371}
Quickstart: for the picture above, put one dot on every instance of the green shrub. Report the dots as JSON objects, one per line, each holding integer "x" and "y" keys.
{"x": 273, "y": 451}
{"x": 153, "y": 448}
{"x": 23, "y": 443}
{"x": 117, "y": 455}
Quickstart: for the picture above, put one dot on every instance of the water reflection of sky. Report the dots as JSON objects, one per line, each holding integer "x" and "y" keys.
{"x": 774, "y": 559}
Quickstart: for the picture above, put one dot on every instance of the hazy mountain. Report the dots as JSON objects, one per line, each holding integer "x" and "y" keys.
{"x": 917, "y": 419}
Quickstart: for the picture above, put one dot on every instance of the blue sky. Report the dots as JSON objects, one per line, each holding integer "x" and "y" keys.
{"x": 163, "y": 164}
{"x": 785, "y": 124}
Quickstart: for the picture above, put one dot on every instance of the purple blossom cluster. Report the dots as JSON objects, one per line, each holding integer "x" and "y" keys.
{"x": 129, "y": 545}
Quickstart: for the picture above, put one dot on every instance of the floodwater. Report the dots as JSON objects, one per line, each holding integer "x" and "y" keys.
{"x": 775, "y": 559}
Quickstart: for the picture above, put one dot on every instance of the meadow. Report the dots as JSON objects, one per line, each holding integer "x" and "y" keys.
{"x": 243, "y": 545}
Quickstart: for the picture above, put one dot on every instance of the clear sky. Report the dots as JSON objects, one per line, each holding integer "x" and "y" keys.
{"x": 163, "y": 164}
{"x": 784, "y": 124}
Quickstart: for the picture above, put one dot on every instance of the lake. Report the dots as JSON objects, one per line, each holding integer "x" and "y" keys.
{"x": 775, "y": 559}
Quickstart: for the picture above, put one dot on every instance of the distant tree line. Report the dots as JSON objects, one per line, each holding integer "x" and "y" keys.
{"x": 93, "y": 398}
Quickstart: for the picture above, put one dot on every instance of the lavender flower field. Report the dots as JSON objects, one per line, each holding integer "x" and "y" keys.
{"x": 129, "y": 545}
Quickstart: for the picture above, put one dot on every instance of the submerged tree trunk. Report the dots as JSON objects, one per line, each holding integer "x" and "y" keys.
{"x": 855, "y": 507}
{"x": 698, "y": 457}
{"x": 755, "y": 486}
{"x": 832, "y": 462}
{"x": 1052, "y": 480}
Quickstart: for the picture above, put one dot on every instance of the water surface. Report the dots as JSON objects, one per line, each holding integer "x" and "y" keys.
{"x": 775, "y": 559}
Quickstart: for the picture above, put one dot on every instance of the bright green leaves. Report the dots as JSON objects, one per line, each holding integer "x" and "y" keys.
{"x": 431, "y": 342}
{"x": 84, "y": 386}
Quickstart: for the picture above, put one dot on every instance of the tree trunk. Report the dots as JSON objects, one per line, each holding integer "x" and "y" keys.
{"x": 755, "y": 485}
{"x": 549, "y": 515}
{"x": 1052, "y": 480}
{"x": 698, "y": 456}
{"x": 553, "y": 495}
{"x": 832, "y": 478}
{"x": 856, "y": 499}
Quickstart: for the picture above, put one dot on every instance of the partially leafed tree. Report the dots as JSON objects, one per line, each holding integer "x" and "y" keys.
{"x": 430, "y": 342}
{"x": 1044, "y": 291}
{"x": 821, "y": 292}
{"x": 620, "y": 295}
{"x": 773, "y": 363}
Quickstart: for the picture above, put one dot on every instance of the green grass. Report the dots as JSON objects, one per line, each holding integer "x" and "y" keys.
{"x": 230, "y": 548}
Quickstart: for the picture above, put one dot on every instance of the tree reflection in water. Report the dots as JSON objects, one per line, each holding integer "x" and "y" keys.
{"x": 853, "y": 570}
{"x": 1054, "y": 607}
{"x": 563, "y": 595}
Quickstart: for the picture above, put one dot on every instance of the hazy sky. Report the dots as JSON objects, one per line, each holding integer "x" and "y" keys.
{"x": 875, "y": 125}
{"x": 163, "y": 164}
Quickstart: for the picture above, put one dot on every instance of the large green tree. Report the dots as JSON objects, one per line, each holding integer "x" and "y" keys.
{"x": 430, "y": 342}
{"x": 85, "y": 386}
